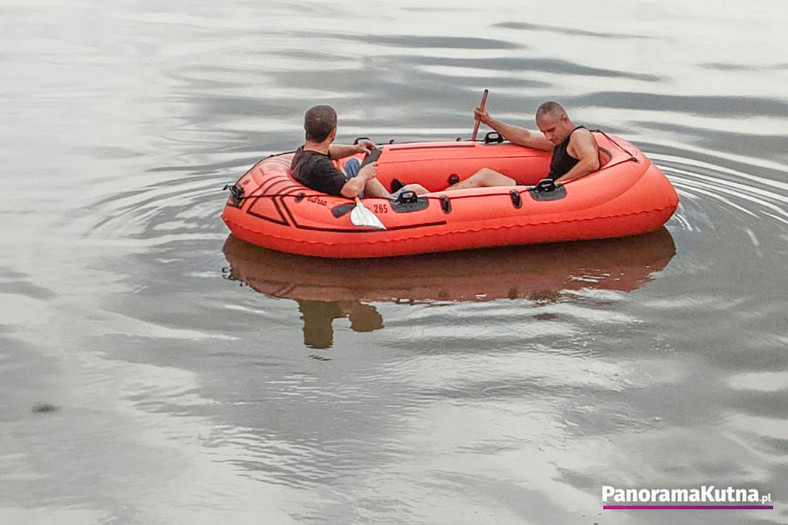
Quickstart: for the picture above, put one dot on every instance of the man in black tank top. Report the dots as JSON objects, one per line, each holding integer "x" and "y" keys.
{"x": 562, "y": 162}
{"x": 575, "y": 152}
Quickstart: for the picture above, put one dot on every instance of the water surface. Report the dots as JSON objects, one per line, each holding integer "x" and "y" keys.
{"x": 154, "y": 370}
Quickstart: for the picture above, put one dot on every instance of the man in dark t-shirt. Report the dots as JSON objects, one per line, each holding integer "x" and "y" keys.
{"x": 313, "y": 164}
{"x": 316, "y": 170}
{"x": 575, "y": 151}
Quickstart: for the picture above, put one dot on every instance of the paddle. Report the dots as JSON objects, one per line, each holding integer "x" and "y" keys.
{"x": 361, "y": 216}
{"x": 478, "y": 121}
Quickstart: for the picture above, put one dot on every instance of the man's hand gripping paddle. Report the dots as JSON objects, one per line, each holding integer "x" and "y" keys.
{"x": 478, "y": 121}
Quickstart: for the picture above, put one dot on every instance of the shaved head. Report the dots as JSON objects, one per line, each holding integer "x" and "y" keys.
{"x": 553, "y": 122}
{"x": 553, "y": 109}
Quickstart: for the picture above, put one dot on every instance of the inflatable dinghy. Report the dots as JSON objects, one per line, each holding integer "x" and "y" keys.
{"x": 627, "y": 196}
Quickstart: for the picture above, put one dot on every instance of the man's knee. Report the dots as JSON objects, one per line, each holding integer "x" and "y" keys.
{"x": 488, "y": 177}
{"x": 418, "y": 189}
{"x": 373, "y": 188}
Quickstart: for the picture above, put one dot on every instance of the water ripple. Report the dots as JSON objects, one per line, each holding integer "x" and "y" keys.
{"x": 566, "y": 30}
{"x": 420, "y": 41}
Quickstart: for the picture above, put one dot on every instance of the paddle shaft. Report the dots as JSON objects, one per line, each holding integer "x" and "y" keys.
{"x": 478, "y": 121}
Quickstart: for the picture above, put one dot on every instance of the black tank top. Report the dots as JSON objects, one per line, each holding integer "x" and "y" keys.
{"x": 562, "y": 161}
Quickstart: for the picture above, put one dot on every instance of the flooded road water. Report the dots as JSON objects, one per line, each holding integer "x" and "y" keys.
{"x": 155, "y": 370}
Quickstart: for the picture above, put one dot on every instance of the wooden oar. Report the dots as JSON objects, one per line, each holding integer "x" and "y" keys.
{"x": 478, "y": 121}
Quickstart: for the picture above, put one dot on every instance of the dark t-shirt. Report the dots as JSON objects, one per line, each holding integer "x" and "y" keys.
{"x": 316, "y": 171}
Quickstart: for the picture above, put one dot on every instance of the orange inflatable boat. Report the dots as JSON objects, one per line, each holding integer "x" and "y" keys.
{"x": 629, "y": 195}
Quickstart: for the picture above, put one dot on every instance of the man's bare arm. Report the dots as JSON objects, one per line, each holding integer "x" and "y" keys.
{"x": 583, "y": 147}
{"x": 355, "y": 186}
{"x": 338, "y": 151}
{"x": 514, "y": 134}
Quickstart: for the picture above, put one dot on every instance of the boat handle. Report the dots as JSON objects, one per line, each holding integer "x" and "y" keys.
{"x": 445, "y": 203}
{"x": 407, "y": 197}
{"x": 545, "y": 186}
{"x": 236, "y": 193}
{"x": 517, "y": 200}
{"x": 493, "y": 137}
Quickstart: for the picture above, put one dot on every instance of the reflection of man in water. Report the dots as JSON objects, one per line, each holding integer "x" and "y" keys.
{"x": 318, "y": 317}
{"x": 575, "y": 152}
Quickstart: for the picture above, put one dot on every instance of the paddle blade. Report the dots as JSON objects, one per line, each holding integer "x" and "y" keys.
{"x": 361, "y": 216}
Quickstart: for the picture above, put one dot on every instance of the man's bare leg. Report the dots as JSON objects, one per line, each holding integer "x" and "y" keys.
{"x": 373, "y": 188}
{"x": 483, "y": 178}
{"x": 418, "y": 189}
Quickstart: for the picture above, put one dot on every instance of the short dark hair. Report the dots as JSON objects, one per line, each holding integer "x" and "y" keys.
{"x": 319, "y": 122}
{"x": 554, "y": 108}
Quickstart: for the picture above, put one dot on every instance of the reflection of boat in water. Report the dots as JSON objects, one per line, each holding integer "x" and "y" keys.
{"x": 328, "y": 289}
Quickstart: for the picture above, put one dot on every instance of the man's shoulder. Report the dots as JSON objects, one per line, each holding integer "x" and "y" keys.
{"x": 316, "y": 171}
{"x": 582, "y": 131}
{"x": 580, "y": 134}
{"x": 311, "y": 159}
{"x": 302, "y": 153}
